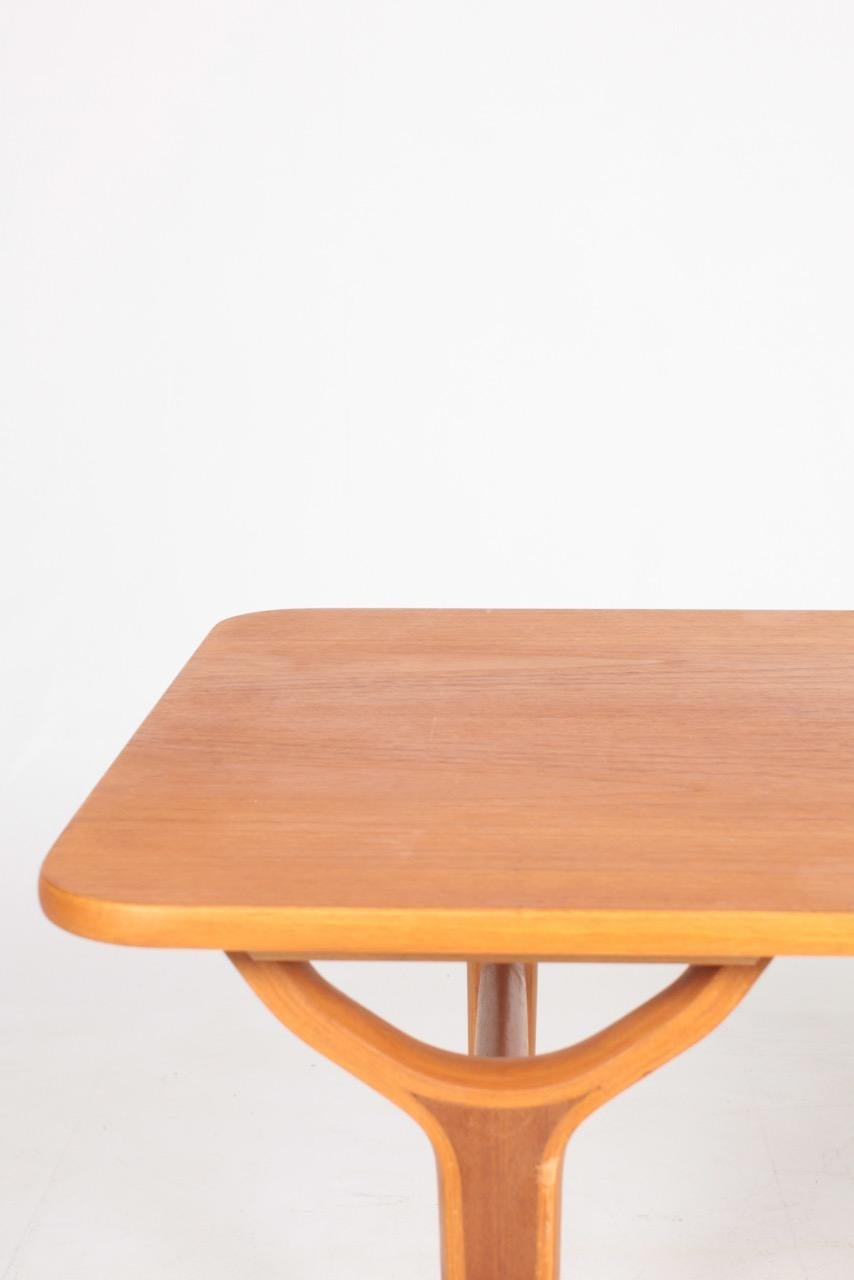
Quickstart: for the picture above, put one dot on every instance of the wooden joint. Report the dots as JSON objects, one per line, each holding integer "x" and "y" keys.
{"x": 499, "y": 1118}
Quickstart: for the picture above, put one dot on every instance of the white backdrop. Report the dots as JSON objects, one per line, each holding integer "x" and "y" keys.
{"x": 438, "y": 304}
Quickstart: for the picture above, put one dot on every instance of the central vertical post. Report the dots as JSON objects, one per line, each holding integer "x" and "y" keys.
{"x": 502, "y": 1007}
{"x": 499, "y": 1186}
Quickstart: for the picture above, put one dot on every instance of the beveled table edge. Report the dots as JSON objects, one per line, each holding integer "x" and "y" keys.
{"x": 453, "y": 933}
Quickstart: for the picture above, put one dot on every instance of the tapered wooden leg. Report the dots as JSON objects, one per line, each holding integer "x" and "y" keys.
{"x": 498, "y": 1178}
{"x": 499, "y": 1185}
{"x": 502, "y": 1009}
{"x": 498, "y": 1123}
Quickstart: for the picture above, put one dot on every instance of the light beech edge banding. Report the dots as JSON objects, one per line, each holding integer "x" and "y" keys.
{"x": 531, "y": 966}
{"x": 472, "y": 988}
{"x": 460, "y": 933}
{"x": 532, "y": 992}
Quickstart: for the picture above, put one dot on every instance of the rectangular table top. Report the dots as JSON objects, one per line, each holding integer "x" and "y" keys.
{"x": 502, "y": 783}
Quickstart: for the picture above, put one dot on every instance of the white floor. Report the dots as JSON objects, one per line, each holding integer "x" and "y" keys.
{"x": 156, "y": 1122}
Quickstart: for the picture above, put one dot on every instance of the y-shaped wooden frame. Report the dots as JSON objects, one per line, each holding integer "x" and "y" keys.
{"x": 499, "y": 1119}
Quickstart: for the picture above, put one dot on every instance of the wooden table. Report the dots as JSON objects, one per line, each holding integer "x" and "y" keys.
{"x": 499, "y": 787}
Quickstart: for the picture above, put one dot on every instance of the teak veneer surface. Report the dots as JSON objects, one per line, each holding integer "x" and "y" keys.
{"x": 497, "y": 784}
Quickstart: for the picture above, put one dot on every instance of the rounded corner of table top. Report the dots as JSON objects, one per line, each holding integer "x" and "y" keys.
{"x": 88, "y": 917}
{"x": 261, "y": 622}
{"x": 104, "y": 919}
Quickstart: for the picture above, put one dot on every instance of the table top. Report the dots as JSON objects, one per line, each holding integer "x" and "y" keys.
{"x": 501, "y": 783}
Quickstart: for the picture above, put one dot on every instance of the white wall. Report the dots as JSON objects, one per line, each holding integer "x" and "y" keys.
{"x": 447, "y": 303}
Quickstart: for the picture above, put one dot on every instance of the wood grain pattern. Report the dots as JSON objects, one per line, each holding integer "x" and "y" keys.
{"x": 502, "y": 1009}
{"x": 494, "y": 785}
{"x": 502, "y": 1190}
{"x": 498, "y": 1126}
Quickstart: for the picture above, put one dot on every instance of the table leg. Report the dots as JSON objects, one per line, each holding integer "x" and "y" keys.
{"x": 498, "y": 1124}
{"x": 504, "y": 999}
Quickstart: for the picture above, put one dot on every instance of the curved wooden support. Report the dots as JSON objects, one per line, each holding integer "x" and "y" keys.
{"x": 498, "y": 1125}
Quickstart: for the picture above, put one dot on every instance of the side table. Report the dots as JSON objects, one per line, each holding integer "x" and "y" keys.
{"x": 501, "y": 787}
